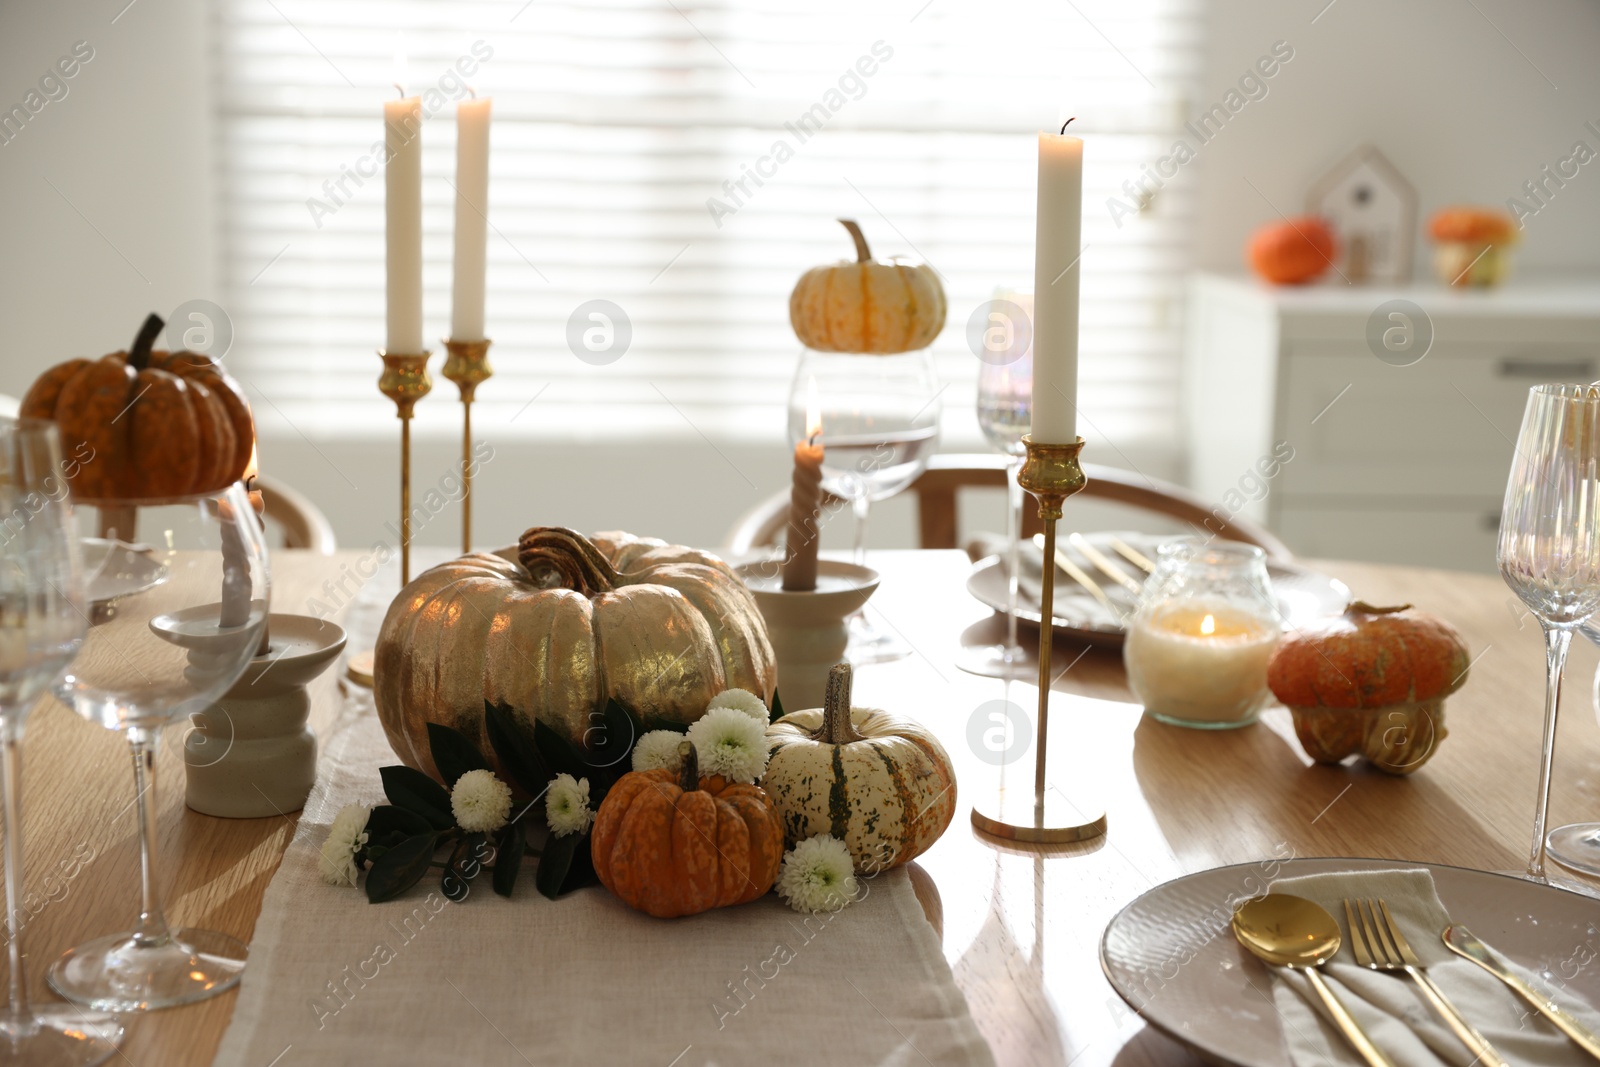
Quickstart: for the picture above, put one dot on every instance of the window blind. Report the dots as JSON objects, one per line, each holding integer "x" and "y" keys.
{"x": 625, "y": 136}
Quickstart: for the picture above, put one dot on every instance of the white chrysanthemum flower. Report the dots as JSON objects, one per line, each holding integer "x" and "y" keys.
{"x": 818, "y": 875}
{"x": 346, "y": 837}
{"x": 741, "y": 700}
{"x": 566, "y": 805}
{"x": 480, "y": 802}
{"x": 657, "y": 749}
{"x": 730, "y": 743}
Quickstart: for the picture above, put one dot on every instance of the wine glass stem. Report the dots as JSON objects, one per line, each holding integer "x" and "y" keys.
{"x": 152, "y": 928}
{"x": 1557, "y": 642}
{"x": 1014, "y": 502}
{"x": 862, "y": 506}
{"x": 11, "y": 785}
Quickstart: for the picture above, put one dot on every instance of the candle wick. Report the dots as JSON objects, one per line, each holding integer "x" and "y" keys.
{"x": 1069, "y": 122}
{"x": 472, "y": 92}
{"x": 401, "y": 89}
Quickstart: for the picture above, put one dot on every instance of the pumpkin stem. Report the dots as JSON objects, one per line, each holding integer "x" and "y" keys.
{"x": 863, "y": 254}
{"x": 139, "y": 354}
{"x": 688, "y": 767}
{"x": 1361, "y": 607}
{"x": 569, "y": 555}
{"x": 837, "y": 727}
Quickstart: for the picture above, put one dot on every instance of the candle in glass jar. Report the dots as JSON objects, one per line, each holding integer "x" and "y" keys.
{"x": 1200, "y": 662}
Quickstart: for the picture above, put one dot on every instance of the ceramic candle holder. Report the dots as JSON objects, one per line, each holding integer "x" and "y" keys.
{"x": 251, "y": 754}
{"x": 807, "y": 629}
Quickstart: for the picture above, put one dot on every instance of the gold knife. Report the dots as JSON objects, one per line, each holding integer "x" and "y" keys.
{"x": 1459, "y": 939}
{"x": 1077, "y": 574}
{"x": 1132, "y": 555}
{"x": 1106, "y": 567}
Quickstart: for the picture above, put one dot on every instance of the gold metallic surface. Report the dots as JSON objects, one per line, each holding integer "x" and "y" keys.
{"x": 405, "y": 381}
{"x": 468, "y": 366}
{"x": 1051, "y": 473}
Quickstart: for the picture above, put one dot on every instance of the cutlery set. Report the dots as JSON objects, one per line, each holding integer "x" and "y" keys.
{"x": 1290, "y": 931}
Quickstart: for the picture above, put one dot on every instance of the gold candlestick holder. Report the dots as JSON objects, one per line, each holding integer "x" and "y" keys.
{"x": 405, "y": 381}
{"x": 1051, "y": 473}
{"x": 467, "y": 366}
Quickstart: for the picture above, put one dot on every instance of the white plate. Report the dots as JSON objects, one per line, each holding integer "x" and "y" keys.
{"x": 1172, "y": 957}
{"x": 115, "y": 569}
{"x": 1303, "y": 595}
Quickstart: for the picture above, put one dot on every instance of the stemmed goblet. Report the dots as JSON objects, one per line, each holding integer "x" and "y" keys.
{"x": 42, "y": 623}
{"x": 1549, "y": 549}
{"x": 166, "y": 654}
{"x": 1005, "y": 413}
{"x": 880, "y": 423}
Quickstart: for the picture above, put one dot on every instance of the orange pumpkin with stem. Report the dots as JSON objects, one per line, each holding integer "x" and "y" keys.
{"x": 671, "y": 843}
{"x": 155, "y": 424}
{"x": 1293, "y": 251}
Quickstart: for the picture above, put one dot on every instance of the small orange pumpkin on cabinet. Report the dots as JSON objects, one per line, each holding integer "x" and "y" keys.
{"x": 867, "y": 306}
{"x": 1373, "y": 681}
{"x": 159, "y": 424}
{"x": 1294, "y": 251}
{"x": 671, "y": 843}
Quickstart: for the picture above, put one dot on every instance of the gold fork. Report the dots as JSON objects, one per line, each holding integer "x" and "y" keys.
{"x": 1379, "y": 944}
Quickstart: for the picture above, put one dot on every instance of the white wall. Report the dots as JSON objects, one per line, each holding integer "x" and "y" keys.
{"x": 1464, "y": 112}
{"x": 1451, "y": 102}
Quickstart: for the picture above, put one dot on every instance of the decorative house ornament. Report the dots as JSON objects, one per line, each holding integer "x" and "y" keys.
{"x": 1373, "y": 211}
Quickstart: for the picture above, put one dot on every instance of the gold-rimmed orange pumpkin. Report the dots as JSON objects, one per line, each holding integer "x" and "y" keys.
{"x": 146, "y": 424}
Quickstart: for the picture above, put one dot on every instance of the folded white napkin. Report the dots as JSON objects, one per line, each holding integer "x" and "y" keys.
{"x": 1390, "y": 1007}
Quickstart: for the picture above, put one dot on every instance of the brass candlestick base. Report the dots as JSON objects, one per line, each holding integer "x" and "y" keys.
{"x": 1051, "y": 473}
{"x": 405, "y": 381}
{"x": 467, "y": 366}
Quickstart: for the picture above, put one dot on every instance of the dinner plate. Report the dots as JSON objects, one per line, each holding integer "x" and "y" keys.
{"x": 116, "y": 569}
{"x": 1171, "y": 955}
{"x": 1303, "y": 594}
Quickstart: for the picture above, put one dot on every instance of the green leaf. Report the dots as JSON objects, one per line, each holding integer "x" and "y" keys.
{"x": 560, "y": 854}
{"x": 512, "y": 844}
{"x": 656, "y": 722}
{"x": 520, "y": 758}
{"x": 776, "y": 711}
{"x": 389, "y": 825}
{"x": 400, "y": 868}
{"x": 416, "y": 792}
{"x": 454, "y": 753}
{"x": 561, "y": 755}
{"x": 609, "y": 742}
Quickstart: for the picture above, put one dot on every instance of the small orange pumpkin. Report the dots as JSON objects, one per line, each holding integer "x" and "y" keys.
{"x": 671, "y": 843}
{"x": 158, "y": 424}
{"x": 1293, "y": 251}
{"x": 867, "y": 306}
{"x": 1371, "y": 681}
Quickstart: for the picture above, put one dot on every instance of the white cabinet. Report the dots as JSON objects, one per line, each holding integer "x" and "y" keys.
{"x": 1393, "y": 461}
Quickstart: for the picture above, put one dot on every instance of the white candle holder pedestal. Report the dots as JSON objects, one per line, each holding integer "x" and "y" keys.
{"x": 1059, "y": 812}
{"x": 251, "y": 753}
{"x": 807, "y": 629}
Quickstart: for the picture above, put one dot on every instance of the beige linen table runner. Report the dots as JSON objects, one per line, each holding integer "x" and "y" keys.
{"x": 581, "y": 980}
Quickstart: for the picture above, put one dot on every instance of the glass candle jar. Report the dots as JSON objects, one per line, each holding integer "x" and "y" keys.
{"x": 1197, "y": 647}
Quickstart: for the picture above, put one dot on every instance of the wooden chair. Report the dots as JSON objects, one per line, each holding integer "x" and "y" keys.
{"x": 936, "y": 491}
{"x": 302, "y": 522}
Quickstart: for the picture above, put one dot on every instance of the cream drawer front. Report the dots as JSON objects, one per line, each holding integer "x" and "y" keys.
{"x": 1440, "y": 427}
{"x": 1459, "y": 538}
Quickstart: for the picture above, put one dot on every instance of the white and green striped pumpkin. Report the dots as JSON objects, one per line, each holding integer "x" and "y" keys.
{"x": 882, "y": 785}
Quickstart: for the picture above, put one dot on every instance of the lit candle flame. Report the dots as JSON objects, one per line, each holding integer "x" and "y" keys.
{"x": 813, "y": 411}
{"x": 257, "y": 501}
{"x": 1208, "y": 625}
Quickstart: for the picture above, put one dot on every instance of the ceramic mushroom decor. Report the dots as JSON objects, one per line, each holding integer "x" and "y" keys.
{"x": 1372, "y": 681}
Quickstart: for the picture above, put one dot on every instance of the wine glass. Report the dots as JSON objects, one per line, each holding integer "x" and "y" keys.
{"x": 1005, "y": 412}
{"x": 166, "y": 654}
{"x": 42, "y": 623}
{"x": 1549, "y": 555}
{"x": 880, "y": 423}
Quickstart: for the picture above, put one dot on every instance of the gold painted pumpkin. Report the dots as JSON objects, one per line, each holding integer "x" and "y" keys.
{"x": 563, "y": 625}
{"x": 671, "y": 843}
{"x": 146, "y": 424}
{"x": 867, "y": 306}
{"x": 882, "y": 785}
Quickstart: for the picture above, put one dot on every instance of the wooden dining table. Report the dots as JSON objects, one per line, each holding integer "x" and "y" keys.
{"x": 1021, "y": 925}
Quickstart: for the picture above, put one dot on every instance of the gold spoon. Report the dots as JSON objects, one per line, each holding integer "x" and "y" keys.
{"x": 1289, "y": 931}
